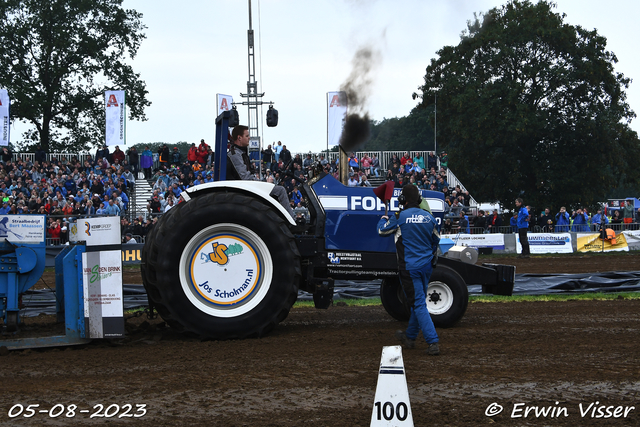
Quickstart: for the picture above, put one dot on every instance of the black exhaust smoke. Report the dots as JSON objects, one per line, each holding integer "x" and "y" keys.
{"x": 358, "y": 88}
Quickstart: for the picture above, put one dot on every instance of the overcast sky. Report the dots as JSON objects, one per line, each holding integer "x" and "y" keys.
{"x": 197, "y": 48}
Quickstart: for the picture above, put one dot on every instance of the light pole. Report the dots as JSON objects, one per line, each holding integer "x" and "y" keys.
{"x": 435, "y": 122}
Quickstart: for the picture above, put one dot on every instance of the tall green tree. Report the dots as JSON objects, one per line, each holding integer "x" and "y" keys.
{"x": 57, "y": 57}
{"x": 409, "y": 133}
{"x": 530, "y": 106}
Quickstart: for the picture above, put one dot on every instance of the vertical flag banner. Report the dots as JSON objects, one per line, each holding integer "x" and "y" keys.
{"x": 4, "y": 117}
{"x": 224, "y": 103}
{"x": 336, "y": 116}
{"x": 115, "y": 110}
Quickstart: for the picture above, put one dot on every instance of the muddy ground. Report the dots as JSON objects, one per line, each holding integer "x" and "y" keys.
{"x": 320, "y": 367}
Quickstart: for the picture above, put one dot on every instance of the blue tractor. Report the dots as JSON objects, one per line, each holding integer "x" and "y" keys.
{"x": 228, "y": 261}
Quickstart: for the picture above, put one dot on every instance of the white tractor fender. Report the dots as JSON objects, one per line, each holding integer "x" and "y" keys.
{"x": 261, "y": 190}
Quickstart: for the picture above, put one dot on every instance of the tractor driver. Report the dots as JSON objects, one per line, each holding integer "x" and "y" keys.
{"x": 239, "y": 165}
{"x": 417, "y": 238}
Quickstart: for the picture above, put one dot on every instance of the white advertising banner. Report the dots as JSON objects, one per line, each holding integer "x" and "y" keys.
{"x": 102, "y": 291}
{"x": 4, "y": 117}
{"x": 254, "y": 143}
{"x": 633, "y": 236}
{"x": 495, "y": 240}
{"x": 547, "y": 243}
{"x": 224, "y": 103}
{"x": 96, "y": 231}
{"x": 23, "y": 228}
{"x": 336, "y": 116}
{"x": 115, "y": 119}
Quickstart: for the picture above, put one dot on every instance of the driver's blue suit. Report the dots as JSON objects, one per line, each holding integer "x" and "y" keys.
{"x": 417, "y": 237}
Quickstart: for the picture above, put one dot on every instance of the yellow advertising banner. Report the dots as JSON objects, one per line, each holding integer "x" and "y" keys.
{"x": 593, "y": 243}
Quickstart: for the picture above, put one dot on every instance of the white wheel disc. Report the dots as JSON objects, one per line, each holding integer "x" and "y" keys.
{"x": 225, "y": 270}
{"x": 439, "y": 298}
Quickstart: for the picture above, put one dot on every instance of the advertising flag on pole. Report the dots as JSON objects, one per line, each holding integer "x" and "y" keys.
{"x": 336, "y": 116}
{"x": 4, "y": 117}
{"x": 115, "y": 110}
{"x": 224, "y": 103}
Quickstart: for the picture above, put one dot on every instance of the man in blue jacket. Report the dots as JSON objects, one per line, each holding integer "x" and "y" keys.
{"x": 523, "y": 225}
{"x": 417, "y": 237}
{"x": 580, "y": 221}
{"x": 598, "y": 221}
{"x": 562, "y": 221}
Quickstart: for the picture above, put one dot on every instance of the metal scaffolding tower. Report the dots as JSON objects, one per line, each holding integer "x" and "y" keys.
{"x": 254, "y": 99}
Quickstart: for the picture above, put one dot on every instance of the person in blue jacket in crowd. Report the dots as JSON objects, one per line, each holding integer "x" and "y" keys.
{"x": 562, "y": 221}
{"x": 580, "y": 221}
{"x": 417, "y": 237}
{"x": 596, "y": 220}
{"x": 513, "y": 222}
{"x": 523, "y": 226}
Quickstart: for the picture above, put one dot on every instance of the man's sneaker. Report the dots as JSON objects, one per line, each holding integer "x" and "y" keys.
{"x": 434, "y": 349}
{"x": 406, "y": 342}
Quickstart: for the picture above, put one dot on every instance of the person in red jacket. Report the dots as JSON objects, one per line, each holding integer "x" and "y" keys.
{"x": 54, "y": 229}
{"x": 203, "y": 152}
{"x": 192, "y": 154}
{"x": 118, "y": 154}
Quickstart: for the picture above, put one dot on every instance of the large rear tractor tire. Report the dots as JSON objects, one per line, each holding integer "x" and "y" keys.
{"x": 223, "y": 265}
{"x": 447, "y": 297}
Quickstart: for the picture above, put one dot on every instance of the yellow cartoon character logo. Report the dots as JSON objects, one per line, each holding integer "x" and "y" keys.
{"x": 218, "y": 255}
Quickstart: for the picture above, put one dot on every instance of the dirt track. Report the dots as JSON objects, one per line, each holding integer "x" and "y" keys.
{"x": 319, "y": 367}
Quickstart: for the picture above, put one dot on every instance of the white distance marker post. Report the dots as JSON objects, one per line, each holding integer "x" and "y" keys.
{"x": 391, "y": 406}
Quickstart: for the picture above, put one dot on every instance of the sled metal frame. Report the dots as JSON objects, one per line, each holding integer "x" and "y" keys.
{"x": 69, "y": 304}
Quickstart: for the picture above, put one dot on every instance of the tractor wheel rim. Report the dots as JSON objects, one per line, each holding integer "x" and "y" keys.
{"x": 439, "y": 298}
{"x": 225, "y": 270}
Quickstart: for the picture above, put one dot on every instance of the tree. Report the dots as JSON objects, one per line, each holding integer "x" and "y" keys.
{"x": 57, "y": 57}
{"x": 410, "y": 133}
{"x": 529, "y": 106}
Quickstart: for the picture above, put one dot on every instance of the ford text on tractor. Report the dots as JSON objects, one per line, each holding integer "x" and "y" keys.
{"x": 228, "y": 261}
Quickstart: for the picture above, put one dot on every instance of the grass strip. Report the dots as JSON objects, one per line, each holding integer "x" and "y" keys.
{"x": 587, "y": 296}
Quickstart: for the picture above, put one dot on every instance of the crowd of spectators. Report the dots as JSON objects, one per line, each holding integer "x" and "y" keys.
{"x": 65, "y": 188}
{"x": 581, "y": 220}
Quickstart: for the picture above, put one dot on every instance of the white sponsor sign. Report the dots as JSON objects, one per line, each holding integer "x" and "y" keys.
{"x": 547, "y": 243}
{"x": 254, "y": 143}
{"x": 633, "y": 236}
{"x": 224, "y": 103}
{"x": 96, "y": 231}
{"x": 102, "y": 290}
{"x": 5, "y": 102}
{"x": 495, "y": 240}
{"x": 115, "y": 117}
{"x": 336, "y": 116}
{"x": 23, "y": 228}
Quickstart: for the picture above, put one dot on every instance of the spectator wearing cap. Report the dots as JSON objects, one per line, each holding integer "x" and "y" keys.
{"x": 129, "y": 177}
{"x": 128, "y": 238}
{"x": 353, "y": 181}
{"x": 154, "y": 206}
